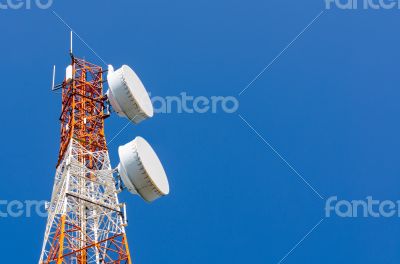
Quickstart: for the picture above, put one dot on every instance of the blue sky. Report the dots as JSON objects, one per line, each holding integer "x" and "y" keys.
{"x": 328, "y": 105}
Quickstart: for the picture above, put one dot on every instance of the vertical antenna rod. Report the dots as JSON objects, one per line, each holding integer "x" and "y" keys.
{"x": 54, "y": 77}
{"x": 70, "y": 47}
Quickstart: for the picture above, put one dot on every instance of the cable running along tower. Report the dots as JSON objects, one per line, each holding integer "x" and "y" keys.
{"x": 86, "y": 222}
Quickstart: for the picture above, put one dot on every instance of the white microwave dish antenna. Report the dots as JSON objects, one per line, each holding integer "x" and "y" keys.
{"x": 141, "y": 170}
{"x": 127, "y": 94}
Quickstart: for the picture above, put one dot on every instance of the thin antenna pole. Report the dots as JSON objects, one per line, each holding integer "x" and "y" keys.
{"x": 70, "y": 48}
{"x": 54, "y": 77}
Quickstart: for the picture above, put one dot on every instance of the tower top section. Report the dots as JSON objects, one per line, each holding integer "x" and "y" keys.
{"x": 83, "y": 107}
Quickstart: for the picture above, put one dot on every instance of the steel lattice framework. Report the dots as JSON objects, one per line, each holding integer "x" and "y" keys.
{"x": 82, "y": 116}
{"x": 85, "y": 222}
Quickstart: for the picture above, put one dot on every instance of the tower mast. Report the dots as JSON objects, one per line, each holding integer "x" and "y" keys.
{"x": 85, "y": 221}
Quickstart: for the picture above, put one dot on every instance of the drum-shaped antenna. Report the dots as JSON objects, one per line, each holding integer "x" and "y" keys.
{"x": 141, "y": 171}
{"x": 127, "y": 94}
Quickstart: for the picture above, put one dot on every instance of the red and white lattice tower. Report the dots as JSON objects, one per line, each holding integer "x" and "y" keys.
{"x": 86, "y": 222}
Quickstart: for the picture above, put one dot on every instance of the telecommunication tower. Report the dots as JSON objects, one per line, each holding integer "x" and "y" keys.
{"x": 86, "y": 222}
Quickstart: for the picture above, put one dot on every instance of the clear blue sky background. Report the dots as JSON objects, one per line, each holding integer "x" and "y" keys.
{"x": 329, "y": 105}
